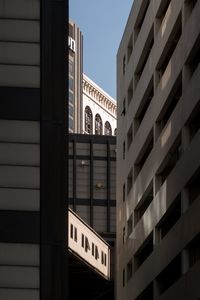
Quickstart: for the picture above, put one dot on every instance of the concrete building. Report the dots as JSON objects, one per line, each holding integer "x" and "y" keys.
{"x": 75, "y": 45}
{"x": 158, "y": 162}
{"x": 91, "y": 109}
{"x": 99, "y": 111}
{"x": 33, "y": 83}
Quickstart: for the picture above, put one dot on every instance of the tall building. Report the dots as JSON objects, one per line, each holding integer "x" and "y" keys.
{"x": 158, "y": 162}
{"x": 75, "y": 45}
{"x": 33, "y": 83}
{"x": 91, "y": 109}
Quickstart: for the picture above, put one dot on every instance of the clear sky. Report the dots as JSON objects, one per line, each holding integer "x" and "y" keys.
{"x": 102, "y": 23}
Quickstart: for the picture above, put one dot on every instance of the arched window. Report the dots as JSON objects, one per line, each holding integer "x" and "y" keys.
{"x": 88, "y": 120}
{"x": 98, "y": 125}
{"x": 115, "y": 131}
{"x": 107, "y": 129}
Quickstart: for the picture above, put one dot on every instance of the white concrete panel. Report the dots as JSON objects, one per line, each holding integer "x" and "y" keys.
{"x": 22, "y": 9}
{"x": 20, "y": 53}
{"x": 19, "y": 76}
{"x": 19, "y": 131}
{"x": 21, "y": 277}
{"x": 19, "y": 199}
{"x": 19, "y": 294}
{"x": 20, "y": 154}
{"x": 19, "y": 254}
{"x": 19, "y": 30}
{"x": 24, "y": 177}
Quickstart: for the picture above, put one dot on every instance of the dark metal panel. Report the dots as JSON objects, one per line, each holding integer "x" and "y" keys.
{"x": 53, "y": 185}
{"x": 19, "y": 227}
{"x": 96, "y": 202}
{"x": 97, "y": 139}
{"x": 87, "y": 157}
{"x": 18, "y": 103}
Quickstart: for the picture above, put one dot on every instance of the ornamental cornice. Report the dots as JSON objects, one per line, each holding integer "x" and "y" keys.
{"x": 99, "y": 96}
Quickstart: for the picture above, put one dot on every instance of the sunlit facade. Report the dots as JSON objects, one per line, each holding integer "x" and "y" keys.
{"x": 158, "y": 146}
{"x": 99, "y": 110}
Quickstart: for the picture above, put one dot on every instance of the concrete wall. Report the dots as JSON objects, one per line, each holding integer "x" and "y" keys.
{"x": 166, "y": 115}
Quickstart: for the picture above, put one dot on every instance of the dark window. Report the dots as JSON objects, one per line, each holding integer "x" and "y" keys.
{"x": 129, "y": 181}
{"x": 107, "y": 128}
{"x": 92, "y": 249}
{"x": 130, "y": 225}
{"x": 98, "y": 125}
{"x": 124, "y": 193}
{"x": 82, "y": 240}
{"x": 146, "y": 294}
{"x": 194, "y": 251}
{"x": 71, "y": 83}
{"x": 123, "y": 277}
{"x": 88, "y": 120}
{"x": 129, "y": 136}
{"x": 124, "y": 150}
{"x": 170, "y": 274}
{"x": 144, "y": 154}
{"x": 115, "y": 131}
{"x": 75, "y": 234}
{"x": 96, "y": 252}
{"x": 124, "y": 65}
{"x": 71, "y": 231}
{"x": 143, "y": 252}
{"x": 129, "y": 270}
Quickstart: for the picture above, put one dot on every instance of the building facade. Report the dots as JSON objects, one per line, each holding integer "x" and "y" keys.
{"x": 92, "y": 169}
{"x": 99, "y": 110}
{"x": 158, "y": 146}
{"x": 91, "y": 109}
{"x": 75, "y": 45}
{"x": 33, "y": 83}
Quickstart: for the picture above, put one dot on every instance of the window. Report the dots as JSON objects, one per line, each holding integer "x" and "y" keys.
{"x": 123, "y": 277}
{"x": 124, "y": 193}
{"x": 129, "y": 136}
{"x": 88, "y": 120}
{"x": 170, "y": 274}
{"x": 98, "y": 125}
{"x": 130, "y": 225}
{"x": 144, "y": 251}
{"x": 115, "y": 131}
{"x": 107, "y": 129}
{"x": 130, "y": 47}
{"x": 129, "y": 181}
{"x": 124, "y": 150}
{"x": 71, "y": 69}
{"x": 130, "y": 92}
{"x": 129, "y": 270}
{"x": 124, "y": 65}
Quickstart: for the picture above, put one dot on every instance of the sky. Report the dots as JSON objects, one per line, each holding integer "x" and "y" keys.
{"x": 102, "y": 23}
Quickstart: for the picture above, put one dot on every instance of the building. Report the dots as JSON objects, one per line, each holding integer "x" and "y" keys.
{"x": 92, "y": 178}
{"x": 91, "y": 109}
{"x": 99, "y": 111}
{"x": 75, "y": 45}
{"x": 92, "y": 169}
{"x": 158, "y": 162}
{"x": 33, "y": 83}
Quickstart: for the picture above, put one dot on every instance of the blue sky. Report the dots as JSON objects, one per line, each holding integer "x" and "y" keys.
{"x": 102, "y": 23}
